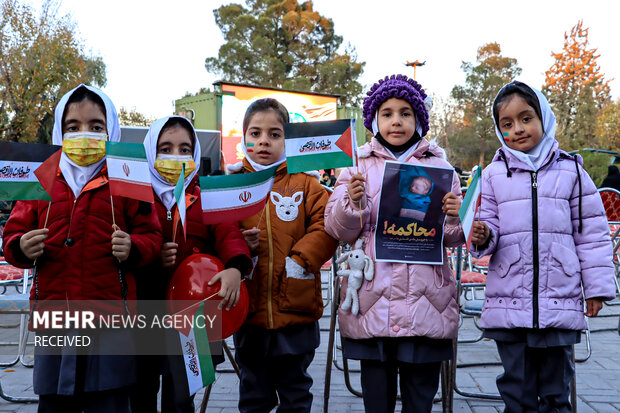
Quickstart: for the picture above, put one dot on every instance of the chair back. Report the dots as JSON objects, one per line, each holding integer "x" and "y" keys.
{"x": 611, "y": 202}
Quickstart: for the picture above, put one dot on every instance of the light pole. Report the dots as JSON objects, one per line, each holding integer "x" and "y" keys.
{"x": 415, "y": 65}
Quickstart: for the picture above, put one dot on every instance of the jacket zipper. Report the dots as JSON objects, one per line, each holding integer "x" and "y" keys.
{"x": 535, "y": 247}
{"x": 169, "y": 216}
{"x": 270, "y": 274}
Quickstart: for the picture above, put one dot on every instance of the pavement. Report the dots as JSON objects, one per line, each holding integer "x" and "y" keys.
{"x": 598, "y": 378}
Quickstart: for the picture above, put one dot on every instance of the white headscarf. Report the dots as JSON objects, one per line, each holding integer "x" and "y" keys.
{"x": 258, "y": 167}
{"x": 75, "y": 175}
{"x": 535, "y": 157}
{"x": 164, "y": 189}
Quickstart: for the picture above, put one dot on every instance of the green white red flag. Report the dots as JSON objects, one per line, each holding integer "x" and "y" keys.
{"x": 470, "y": 206}
{"x": 197, "y": 354}
{"x": 235, "y": 197}
{"x": 27, "y": 170}
{"x": 128, "y": 171}
{"x": 311, "y": 146}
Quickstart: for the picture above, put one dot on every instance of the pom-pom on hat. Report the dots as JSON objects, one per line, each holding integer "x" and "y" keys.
{"x": 400, "y": 87}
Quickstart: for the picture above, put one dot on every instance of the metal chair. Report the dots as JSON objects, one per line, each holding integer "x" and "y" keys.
{"x": 18, "y": 303}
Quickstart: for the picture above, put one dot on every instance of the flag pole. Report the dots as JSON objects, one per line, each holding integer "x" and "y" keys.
{"x": 176, "y": 225}
{"x": 261, "y": 214}
{"x": 47, "y": 215}
{"x": 359, "y": 203}
{"x": 114, "y": 226}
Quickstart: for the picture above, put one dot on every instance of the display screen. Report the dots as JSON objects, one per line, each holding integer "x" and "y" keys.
{"x": 236, "y": 99}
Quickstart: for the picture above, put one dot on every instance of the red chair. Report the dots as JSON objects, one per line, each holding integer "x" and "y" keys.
{"x": 611, "y": 202}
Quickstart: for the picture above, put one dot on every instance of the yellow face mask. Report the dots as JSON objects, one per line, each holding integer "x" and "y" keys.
{"x": 170, "y": 166}
{"x": 84, "y": 148}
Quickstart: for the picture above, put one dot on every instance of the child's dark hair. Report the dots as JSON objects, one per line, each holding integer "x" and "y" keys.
{"x": 262, "y": 105}
{"x": 178, "y": 122}
{"x": 82, "y": 94}
{"x": 516, "y": 88}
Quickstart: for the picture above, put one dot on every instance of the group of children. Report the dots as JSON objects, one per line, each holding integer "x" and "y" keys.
{"x": 541, "y": 222}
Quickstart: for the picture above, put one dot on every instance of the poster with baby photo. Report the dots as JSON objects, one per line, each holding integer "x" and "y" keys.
{"x": 410, "y": 221}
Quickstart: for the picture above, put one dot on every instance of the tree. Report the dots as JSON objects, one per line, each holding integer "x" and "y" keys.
{"x": 577, "y": 90}
{"x": 596, "y": 165}
{"x": 445, "y": 122}
{"x": 40, "y": 59}
{"x": 608, "y": 127}
{"x": 475, "y": 142}
{"x": 131, "y": 117}
{"x": 282, "y": 43}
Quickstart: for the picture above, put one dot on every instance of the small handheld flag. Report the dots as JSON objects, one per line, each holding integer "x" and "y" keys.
{"x": 27, "y": 170}
{"x": 179, "y": 195}
{"x": 234, "y": 197}
{"x": 470, "y": 206}
{"x": 312, "y": 146}
{"x": 128, "y": 171}
{"x": 197, "y": 354}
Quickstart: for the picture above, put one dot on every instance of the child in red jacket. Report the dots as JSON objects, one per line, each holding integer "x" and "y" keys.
{"x": 78, "y": 252}
{"x": 170, "y": 143}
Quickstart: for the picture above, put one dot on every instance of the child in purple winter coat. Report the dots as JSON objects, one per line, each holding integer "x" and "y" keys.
{"x": 408, "y": 313}
{"x": 543, "y": 223}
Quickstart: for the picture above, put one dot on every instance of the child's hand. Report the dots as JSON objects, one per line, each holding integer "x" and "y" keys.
{"x": 231, "y": 282}
{"x": 121, "y": 244}
{"x": 356, "y": 187}
{"x": 480, "y": 233}
{"x": 251, "y": 237}
{"x": 451, "y": 205}
{"x": 31, "y": 243}
{"x": 593, "y": 306}
{"x": 169, "y": 254}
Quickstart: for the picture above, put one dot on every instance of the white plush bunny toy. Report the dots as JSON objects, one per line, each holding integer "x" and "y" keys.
{"x": 360, "y": 267}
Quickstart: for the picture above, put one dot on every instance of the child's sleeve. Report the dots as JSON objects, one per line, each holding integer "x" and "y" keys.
{"x": 342, "y": 215}
{"x": 145, "y": 231}
{"x": 24, "y": 218}
{"x": 231, "y": 247}
{"x": 488, "y": 214}
{"x": 453, "y": 230}
{"x": 593, "y": 243}
{"x": 316, "y": 246}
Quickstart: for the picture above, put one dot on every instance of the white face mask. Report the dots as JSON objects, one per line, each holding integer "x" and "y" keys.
{"x": 85, "y": 135}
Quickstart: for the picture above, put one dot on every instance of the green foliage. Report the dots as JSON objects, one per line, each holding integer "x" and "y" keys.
{"x": 131, "y": 117}
{"x": 41, "y": 58}
{"x": 201, "y": 91}
{"x": 282, "y": 43}
{"x": 476, "y": 141}
{"x": 608, "y": 127}
{"x": 596, "y": 165}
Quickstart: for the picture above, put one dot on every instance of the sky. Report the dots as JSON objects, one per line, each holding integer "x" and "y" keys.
{"x": 155, "y": 50}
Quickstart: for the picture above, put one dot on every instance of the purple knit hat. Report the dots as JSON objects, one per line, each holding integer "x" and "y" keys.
{"x": 401, "y": 87}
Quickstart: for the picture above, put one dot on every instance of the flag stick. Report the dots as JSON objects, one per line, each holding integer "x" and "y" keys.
{"x": 174, "y": 232}
{"x": 359, "y": 203}
{"x": 47, "y": 215}
{"x": 261, "y": 214}
{"x": 113, "y": 219}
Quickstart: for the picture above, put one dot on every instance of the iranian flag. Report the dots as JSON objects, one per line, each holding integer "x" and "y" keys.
{"x": 197, "y": 353}
{"x": 234, "y": 197}
{"x": 27, "y": 170}
{"x": 312, "y": 146}
{"x": 128, "y": 171}
{"x": 471, "y": 206}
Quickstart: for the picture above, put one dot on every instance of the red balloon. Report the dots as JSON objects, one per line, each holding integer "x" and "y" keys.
{"x": 189, "y": 285}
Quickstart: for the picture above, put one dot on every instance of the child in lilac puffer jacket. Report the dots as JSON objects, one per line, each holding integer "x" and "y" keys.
{"x": 543, "y": 223}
